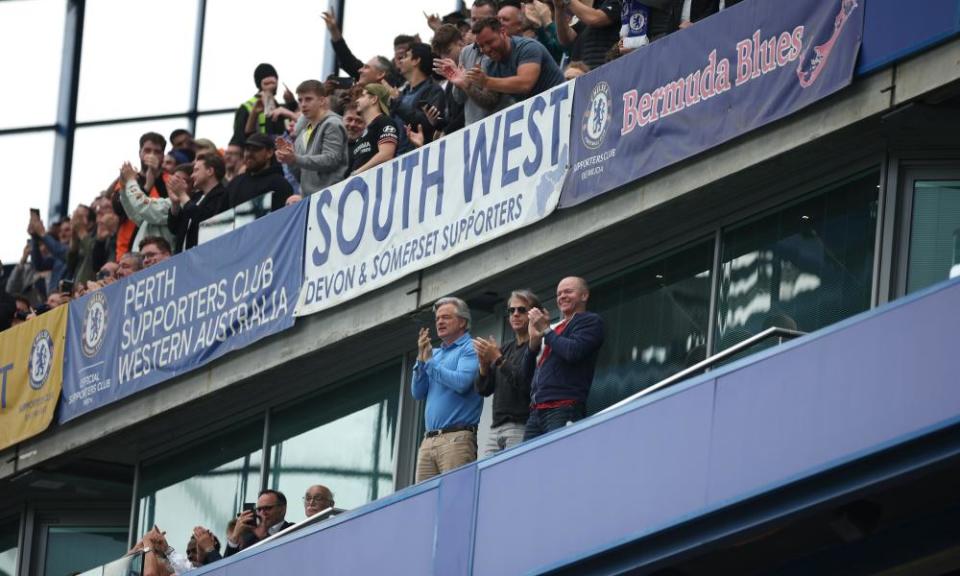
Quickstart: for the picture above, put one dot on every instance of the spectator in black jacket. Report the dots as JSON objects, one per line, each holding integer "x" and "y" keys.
{"x": 188, "y": 210}
{"x": 448, "y": 43}
{"x": 262, "y": 175}
{"x": 271, "y": 511}
{"x": 421, "y": 99}
{"x": 505, "y": 372}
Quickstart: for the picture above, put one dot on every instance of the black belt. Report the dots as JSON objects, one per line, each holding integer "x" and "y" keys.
{"x": 432, "y": 433}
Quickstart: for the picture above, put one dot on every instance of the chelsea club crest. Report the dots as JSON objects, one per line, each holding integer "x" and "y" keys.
{"x": 41, "y": 359}
{"x": 638, "y": 22}
{"x": 596, "y": 119}
{"x": 94, "y": 326}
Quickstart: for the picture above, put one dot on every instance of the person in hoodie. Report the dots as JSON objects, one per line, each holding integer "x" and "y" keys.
{"x": 261, "y": 175}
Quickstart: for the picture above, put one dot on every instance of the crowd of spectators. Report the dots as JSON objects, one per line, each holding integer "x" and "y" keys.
{"x": 255, "y": 523}
{"x": 539, "y": 380}
{"x": 473, "y": 66}
{"x": 293, "y": 145}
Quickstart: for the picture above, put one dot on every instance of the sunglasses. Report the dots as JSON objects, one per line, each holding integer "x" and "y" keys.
{"x": 517, "y": 309}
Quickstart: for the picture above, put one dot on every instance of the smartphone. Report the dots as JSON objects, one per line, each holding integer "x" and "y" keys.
{"x": 35, "y": 212}
{"x": 344, "y": 81}
{"x": 66, "y": 286}
{"x": 253, "y": 508}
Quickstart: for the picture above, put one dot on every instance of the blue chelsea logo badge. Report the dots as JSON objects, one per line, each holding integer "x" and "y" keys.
{"x": 596, "y": 119}
{"x": 41, "y": 359}
{"x": 94, "y": 327}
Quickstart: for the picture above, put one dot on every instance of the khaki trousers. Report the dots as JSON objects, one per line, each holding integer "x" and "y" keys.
{"x": 444, "y": 452}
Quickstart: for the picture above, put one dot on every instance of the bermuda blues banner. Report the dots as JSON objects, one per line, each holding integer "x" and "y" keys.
{"x": 477, "y": 184}
{"x": 182, "y": 313}
{"x": 31, "y": 371}
{"x": 750, "y": 65}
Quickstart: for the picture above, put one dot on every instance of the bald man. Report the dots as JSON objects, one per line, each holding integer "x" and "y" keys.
{"x": 564, "y": 371}
{"x": 317, "y": 499}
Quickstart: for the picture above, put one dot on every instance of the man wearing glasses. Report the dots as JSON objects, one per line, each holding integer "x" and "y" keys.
{"x": 506, "y": 372}
{"x": 317, "y": 499}
{"x": 252, "y": 528}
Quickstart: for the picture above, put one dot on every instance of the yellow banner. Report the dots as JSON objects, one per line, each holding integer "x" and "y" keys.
{"x": 31, "y": 374}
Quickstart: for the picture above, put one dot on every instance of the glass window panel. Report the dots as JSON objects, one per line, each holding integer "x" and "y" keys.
{"x": 34, "y": 31}
{"x": 342, "y": 439}
{"x": 204, "y": 485}
{"x": 28, "y": 186}
{"x": 934, "y": 233}
{"x": 137, "y": 58}
{"x": 371, "y": 37}
{"x": 9, "y": 534}
{"x": 70, "y": 548}
{"x": 804, "y": 267}
{"x": 295, "y": 49}
{"x": 98, "y": 152}
{"x": 656, "y": 318}
{"x": 216, "y": 127}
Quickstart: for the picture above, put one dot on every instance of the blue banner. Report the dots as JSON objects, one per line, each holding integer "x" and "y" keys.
{"x": 702, "y": 86}
{"x": 183, "y": 313}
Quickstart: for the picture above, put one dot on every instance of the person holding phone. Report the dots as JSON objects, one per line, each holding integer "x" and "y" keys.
{"x": 261, "y": 114}
{"x": 26, "y": 280}
{"x": 56, "y": 244}
{"x": 258, "y": 523}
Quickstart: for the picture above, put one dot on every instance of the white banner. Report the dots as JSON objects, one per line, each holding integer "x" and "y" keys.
{"x": 477, "y": 184}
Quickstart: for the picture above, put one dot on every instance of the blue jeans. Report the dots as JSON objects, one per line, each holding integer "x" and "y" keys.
{"x": 544, "y": 421}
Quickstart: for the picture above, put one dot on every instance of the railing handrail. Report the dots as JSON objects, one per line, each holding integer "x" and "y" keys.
{"x": 123, "y": 565}
{"x": 708, "y": 362}
{"x": 318, "y": 517}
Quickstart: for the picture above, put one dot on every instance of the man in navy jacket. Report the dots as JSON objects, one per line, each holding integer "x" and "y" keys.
{"x": 564, "y": 371}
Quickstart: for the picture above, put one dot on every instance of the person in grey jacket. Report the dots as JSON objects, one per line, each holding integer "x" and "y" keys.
{"x": 318, "y": 155}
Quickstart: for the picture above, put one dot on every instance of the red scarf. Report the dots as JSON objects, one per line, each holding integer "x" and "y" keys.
{"x": 546, "y": 347}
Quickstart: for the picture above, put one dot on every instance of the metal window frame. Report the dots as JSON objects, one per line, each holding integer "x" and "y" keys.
{"x": 66, "y": 120}
{"x": 901, "y": 194}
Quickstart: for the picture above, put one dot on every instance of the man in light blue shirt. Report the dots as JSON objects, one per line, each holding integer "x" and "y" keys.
{"x": 444, "y": 378}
